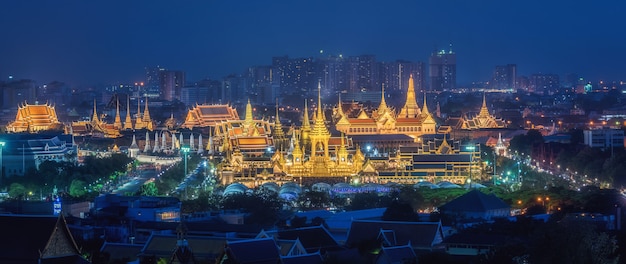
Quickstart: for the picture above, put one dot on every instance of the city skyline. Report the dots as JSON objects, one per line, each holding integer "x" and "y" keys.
{"x": 94, "y": 43}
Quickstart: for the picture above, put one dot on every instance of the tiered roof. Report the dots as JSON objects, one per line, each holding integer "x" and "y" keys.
{"x": 33, "y": 118}
{"x": 209, "y": 115}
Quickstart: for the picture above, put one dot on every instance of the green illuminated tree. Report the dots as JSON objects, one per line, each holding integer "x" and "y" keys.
{"x": 77, "y": 188}
{"x": 148, "y": 189}
{"x": 16, "y": 190}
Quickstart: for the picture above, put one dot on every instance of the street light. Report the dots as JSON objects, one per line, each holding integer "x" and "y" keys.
{"x": 472, "y": 148}
{"x": 185, "y": 150}
{"x": 1, "y": 170}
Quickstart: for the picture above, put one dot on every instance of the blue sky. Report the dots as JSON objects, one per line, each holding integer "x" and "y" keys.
{"x": 100, "y": 42}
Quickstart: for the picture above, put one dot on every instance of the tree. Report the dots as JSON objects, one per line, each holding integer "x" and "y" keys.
{"x": 16, "y": 190}
{"x": 148, "y": 189}
{"x": 77, "y": 188}
{"x": 398, "y": 211}
{"x": 572, "y": 241}
{"x": 262, "y": 207}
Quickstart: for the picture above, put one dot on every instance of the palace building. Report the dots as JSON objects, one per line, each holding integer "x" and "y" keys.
{"x": 475, "y": 121}
{"x": 209, "y": 115}
{"x": 98, "y": 127}
{"x": 409, "y": 120}
{"x": 34, "y": 118}
{"x": 255, "y": 154}
{"x": 435, "y": 160}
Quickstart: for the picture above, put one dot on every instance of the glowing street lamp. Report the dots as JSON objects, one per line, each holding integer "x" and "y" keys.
{"x": 471, "y": 148}
{"x": 185, "y": 150}
{"x": 1, "y": 148}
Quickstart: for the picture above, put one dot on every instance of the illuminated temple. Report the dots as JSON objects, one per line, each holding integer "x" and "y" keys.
{"x": 481, "y": 120}
{"x": 98, "y": 127}
{"x": 409, "y": 120}
{"x": 34, "y": 118}
{"x": 257, "y": 151}
{"x": 209, "y": 115}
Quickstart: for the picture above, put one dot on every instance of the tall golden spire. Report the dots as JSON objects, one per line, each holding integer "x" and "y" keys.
{"x": 146, "y": 117}
{"x": 382, "y": 108}
{"x": 248, "y": 118}
{"x": 138, "y": 121}
{"x": 128, "y": 123}
{"x": 320, "y": 133}
{"x": 279, "y": 134}
{"x": 297, "y": 151}
{"x": 483, "y": 109}
{"x": 319, "y": 100}
{"x": 306, "y": 123}
{"x": 410, "y": 109}
{"x": 342, "y": 154}
{"x": 118, "y": 121}
{"x": 146, "y": 112}
{"x": 94, "y": 117}
{"x": 343, "y": 123}
{"x": 425, "y": 107}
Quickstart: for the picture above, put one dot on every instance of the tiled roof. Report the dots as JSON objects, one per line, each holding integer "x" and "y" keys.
{"x": 475, "y": 201}
{"x": 312, "y": 238}
{"x": 257, "y": 251}
{"x": 419, "y": 234}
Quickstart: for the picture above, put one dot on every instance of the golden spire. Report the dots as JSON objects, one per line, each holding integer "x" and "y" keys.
{"x": 320, "y": 133}
{"x": 319, "y": 100}
{"x": 343, "y": 119}
{"x": 342, "y": 154}
{"x": 297, "y": 151}
{"x": 248, "y": 118}
{"x": 425, "y": 107}
{"x": 146, "y": 112}
{"x": 94, "y": 117}
{"x": 278, "y": 127}
{"x": 128, "y": 123}
{"x": 138, "y": 121}
{"x": 410, "y": 109}
{"x": 146, "y": 116}
{"x": 483, "y": 109}
{"x": 383, "y": 104}
{"x": 306, "y": 124}
{"x": 118, "y": 121}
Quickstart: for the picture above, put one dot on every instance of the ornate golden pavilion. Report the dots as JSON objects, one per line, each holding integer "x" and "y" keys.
{"x": 409, "y": 120}
{"x": 248, "y": 145}
{"x": 209, "y": 115}
{"x": 34, "y": 118}
{"x": 481, "y": 120}
{"x": 112, "y": 130}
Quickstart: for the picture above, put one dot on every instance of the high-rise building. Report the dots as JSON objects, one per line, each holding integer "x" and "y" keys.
{"x": 395, "y": 75}
{"x": 171, "y": 82}
{"x": 152, "y": 85}
{"x": 363, "y": 73}
{"x": 234, "y": 90}
{"x": 442, "y": 67}
{"x": 545, "y": 84}
{"x": 504, "y": 77}
{"x": 18, "y": 91}
{"x": 330, "y": 72}
{"x": 295, "y": 75}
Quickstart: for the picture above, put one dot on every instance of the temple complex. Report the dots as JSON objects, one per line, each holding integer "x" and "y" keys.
{"x": 253, "y": 157}
{"x": 409, "y": 120}
{"x": 474, "y": 121}
{"x": 34, "y": 118}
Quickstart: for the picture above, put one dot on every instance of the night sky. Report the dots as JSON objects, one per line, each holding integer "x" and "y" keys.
{"x": 101, "y": 42}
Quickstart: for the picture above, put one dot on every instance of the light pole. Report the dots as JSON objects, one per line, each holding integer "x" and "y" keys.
{"x": 1, "y": 169}
{"x": 494, "y": 167}
{"x": 185, "y": 150}
{"x": 471, "y": 148}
